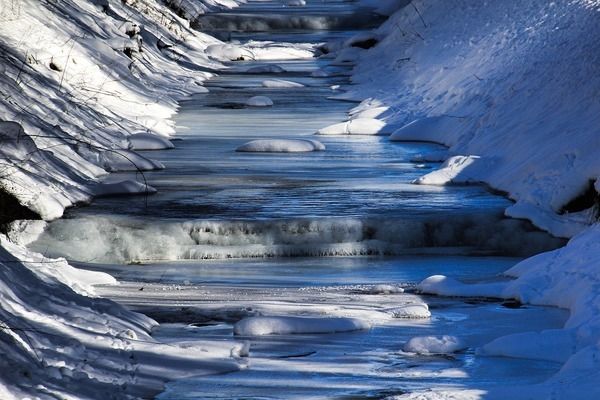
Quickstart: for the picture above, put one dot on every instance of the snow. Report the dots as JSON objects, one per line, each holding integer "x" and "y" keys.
{"x": 126, "y": 160}
{"x": 383, "y": 288}
{"x": 566, "y": 278}
{"x": 453, "y": 170}
{"x": 79, "y": 77}
{"x": 280, "y": 84}
{"x": 282, "y": 146}
{"x": 509, "y": 87}
{"x": 257, "y": 326}
{"x": 434, "y": 345}
{"x": 427, "y": 129}
{"x": 358, "y": 126}
{"x": 259, "y": 101}
{"x": 148, "y": 141}
{"x": 454, "y": 74}
{"x": 256, "y": 50}
{"x": 74, "y": 114}
{"x": 53, "y": 322}
{"x": 410, "y": 311}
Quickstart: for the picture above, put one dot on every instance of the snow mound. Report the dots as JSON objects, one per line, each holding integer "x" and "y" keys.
{"x": 125, "y": 187}
{"x": 126, "y": 160}
{"x": 258, "y": 326}
{"x": 446, "y": 286}
{"x": 259, "y": 101}
{"x": 266, "y": 69}
{"x": 358, "y": 126}
{"x": 280, "y": 84}
{"x": 228, "y": 52}
{"x": 434, "y": 345}
{"x": 148, "y": 141}
{"x": 384, "y": 289}
{"x": 282, "y": 146}
{"x": 454, "y": 170}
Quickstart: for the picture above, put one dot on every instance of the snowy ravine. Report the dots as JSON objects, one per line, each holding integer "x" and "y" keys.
{"x": 511, "y": 88}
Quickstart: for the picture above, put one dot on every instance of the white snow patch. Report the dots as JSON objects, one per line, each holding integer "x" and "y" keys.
{"x": 282, "y": 146}
{"x": 148, "y": 141}
{"x": 126, "y": 160}
{"x": 454, "y": 170}
{"x": 257, "y": 326}
{"x": 410, "y": 311}
{"x": 434, "y": 345}
{"x": 259, "y": 101}
{"x": 359, "y": 126}
{"x": 383, "y": 288}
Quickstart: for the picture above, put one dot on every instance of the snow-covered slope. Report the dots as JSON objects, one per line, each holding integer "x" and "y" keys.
{"x": 79, "y": 77}
{"x": 513, "y": 83}
{"x": 58, "y": 341}
{"x": 512, "y": 88}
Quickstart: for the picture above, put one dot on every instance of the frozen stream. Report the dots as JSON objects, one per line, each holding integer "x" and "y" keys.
{"x": 232, "y": 235}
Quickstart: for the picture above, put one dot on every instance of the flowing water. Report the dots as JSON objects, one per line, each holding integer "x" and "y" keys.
{"x": 232, "y": 234}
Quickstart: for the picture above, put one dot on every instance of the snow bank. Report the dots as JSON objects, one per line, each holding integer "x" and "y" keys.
{"x": 74, "y": 112}
{"x": 569, "y": 278}
{"x": 259, "y": 101}
{"x": 282, "y": 146}
{"x": 510, "y": 88}
{"x": 79, "y": 76}
{"x": 257, "y": 326}
{"x": 148, "y": 141}
{"x": 497, "y": 80}
{"x": 58, "y": 341}
{"x": 434, "y": 345}
{"x": 280, "y": 84}
{"x": 358, "y": 126}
